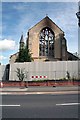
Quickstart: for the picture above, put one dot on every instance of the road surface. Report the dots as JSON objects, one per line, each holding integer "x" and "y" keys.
{"x": 40, "y": 106}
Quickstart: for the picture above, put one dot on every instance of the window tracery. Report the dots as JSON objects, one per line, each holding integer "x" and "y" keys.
{"x": 46, "y": 43}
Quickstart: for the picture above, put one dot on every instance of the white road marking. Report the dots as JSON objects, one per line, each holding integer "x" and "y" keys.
{"x": 26, "y": 93}
{"x": 9, "y": 105}
{"x": 67, "y": 104}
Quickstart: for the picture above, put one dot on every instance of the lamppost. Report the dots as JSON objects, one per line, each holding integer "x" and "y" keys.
{"x": 78, "y": 16}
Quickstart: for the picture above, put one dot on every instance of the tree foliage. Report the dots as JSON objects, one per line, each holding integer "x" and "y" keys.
{"x": 24, "y": 55}
{"x": 20, "y": 74}
{"x": 67, "y": 75}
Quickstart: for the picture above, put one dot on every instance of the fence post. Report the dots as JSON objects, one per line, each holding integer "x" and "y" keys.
{"x": 55, "y": 79}
{"x": 27, "y": 79}
{"x": 1, "y": 85}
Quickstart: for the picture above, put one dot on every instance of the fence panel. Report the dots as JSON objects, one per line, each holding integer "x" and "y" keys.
{"x": 46, "y": 70}
{"x": 2, "y": 72}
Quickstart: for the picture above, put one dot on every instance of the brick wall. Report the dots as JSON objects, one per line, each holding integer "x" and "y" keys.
{"x": 46, "y": 83}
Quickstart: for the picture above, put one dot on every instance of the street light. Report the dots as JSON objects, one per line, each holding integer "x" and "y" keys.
{"x": 78, "y": 16}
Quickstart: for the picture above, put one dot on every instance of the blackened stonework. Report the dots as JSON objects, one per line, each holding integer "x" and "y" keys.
{"x": 46, "y": 42}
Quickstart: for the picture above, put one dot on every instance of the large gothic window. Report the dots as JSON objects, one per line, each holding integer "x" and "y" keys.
{"x": 46, "y": 43}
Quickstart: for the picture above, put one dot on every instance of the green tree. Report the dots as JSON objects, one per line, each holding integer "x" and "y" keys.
{"x": 24, "y": 55}
{"x": 67, "y": 75}
{"x": 21, "y": 75}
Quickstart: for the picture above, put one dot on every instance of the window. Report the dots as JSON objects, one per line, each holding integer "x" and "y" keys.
{"x": 46, "y": 43}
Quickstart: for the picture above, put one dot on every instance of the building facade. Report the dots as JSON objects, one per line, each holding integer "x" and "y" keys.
{"x": 46, "y": 41}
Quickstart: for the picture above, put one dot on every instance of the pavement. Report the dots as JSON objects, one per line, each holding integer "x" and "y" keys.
{"x": 39, "y": 89}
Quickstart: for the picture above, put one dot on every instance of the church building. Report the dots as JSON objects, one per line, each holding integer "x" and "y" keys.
{"x": 46, "y": 42}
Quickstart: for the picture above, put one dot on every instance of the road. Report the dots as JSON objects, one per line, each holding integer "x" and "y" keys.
{"x": 40, "y": 106}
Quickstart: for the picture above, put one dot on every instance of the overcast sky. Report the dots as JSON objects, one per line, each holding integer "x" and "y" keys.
{"x": 18, "y": 17}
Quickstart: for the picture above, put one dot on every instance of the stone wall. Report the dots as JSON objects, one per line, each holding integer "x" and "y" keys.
{"x": 34, "y": 35}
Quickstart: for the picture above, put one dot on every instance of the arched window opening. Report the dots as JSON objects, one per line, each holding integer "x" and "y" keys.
{"x": 46, "y": 43}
